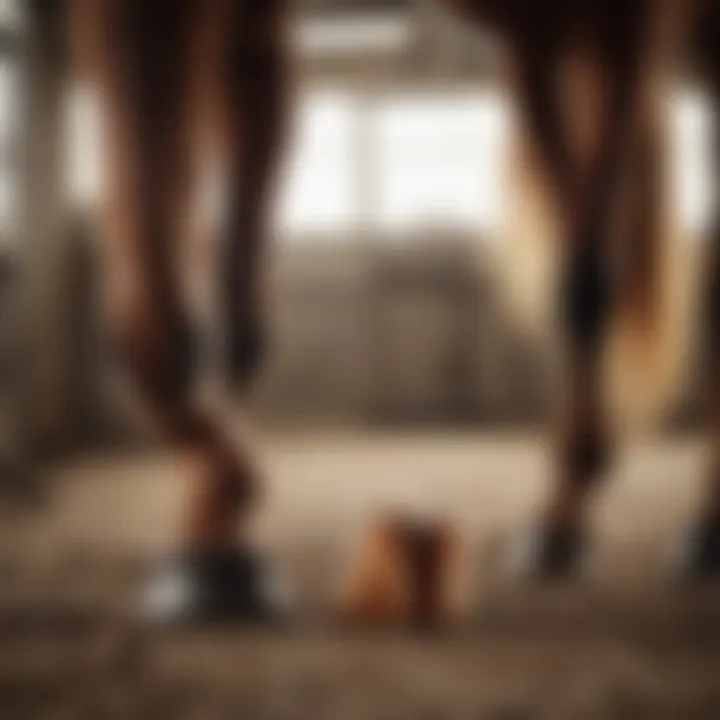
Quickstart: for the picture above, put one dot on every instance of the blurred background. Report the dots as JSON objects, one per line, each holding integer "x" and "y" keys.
{"x": 397, "y": 367}
{"x": 395, "y": 203}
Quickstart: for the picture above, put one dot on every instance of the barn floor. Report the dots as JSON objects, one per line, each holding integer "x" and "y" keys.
{"x": 624, "y": 642}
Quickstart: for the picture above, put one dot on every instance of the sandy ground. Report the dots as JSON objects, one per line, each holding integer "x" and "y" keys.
{"x": 625, "y": 641}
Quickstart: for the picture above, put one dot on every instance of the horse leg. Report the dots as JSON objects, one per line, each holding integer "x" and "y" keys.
{"x": 703, "y": 558}
{"x": 586, "y": 298}
{"x": 142, "y": 72}
{"x": 252, "y": 107}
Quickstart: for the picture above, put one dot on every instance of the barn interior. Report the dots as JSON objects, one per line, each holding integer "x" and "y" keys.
{"x": 403, "y": 373}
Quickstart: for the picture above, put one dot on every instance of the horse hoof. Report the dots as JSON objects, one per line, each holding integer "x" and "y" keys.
{"x": 229, "y": 585}
{"x": 552, "y": 553}
{"x": 699, "y": 555}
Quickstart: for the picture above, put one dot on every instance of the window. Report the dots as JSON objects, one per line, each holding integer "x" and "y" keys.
{"x": 415, "y": 160}
{"x": 692, "y": 161}
{"x": 318, "y": 191}
{"x": 440, "y": 158}
{"x": 82, "y": 141}
{"x": 404, "y": 162}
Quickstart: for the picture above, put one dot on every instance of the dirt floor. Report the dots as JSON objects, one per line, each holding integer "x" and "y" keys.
{"x": 624, "y": 642}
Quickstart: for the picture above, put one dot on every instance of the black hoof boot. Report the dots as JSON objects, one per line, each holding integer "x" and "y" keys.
{"x": 700, "y": 553}
{"x": 552, "y": 553}
{"x": 230, "y": 585}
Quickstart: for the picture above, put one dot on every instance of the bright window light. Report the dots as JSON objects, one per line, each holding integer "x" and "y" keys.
{"x": 433, "y": 161}
{"x": 317, "y": 193}
{"x": 440, "y": 159}
{"x": 692, "y": 161}
{"x": 82, "y": 141}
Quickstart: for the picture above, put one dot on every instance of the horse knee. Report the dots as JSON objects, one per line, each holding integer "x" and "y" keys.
{"x": 586, "y": 296}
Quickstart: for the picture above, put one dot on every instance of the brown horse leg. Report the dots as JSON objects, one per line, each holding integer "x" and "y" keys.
{"x": 537, "y": 84}
{"x": 586, "y": 291}
{"x": 143, "y": 50}
{"x": 252, "y": 96}
{"x": 703, "y": 558}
